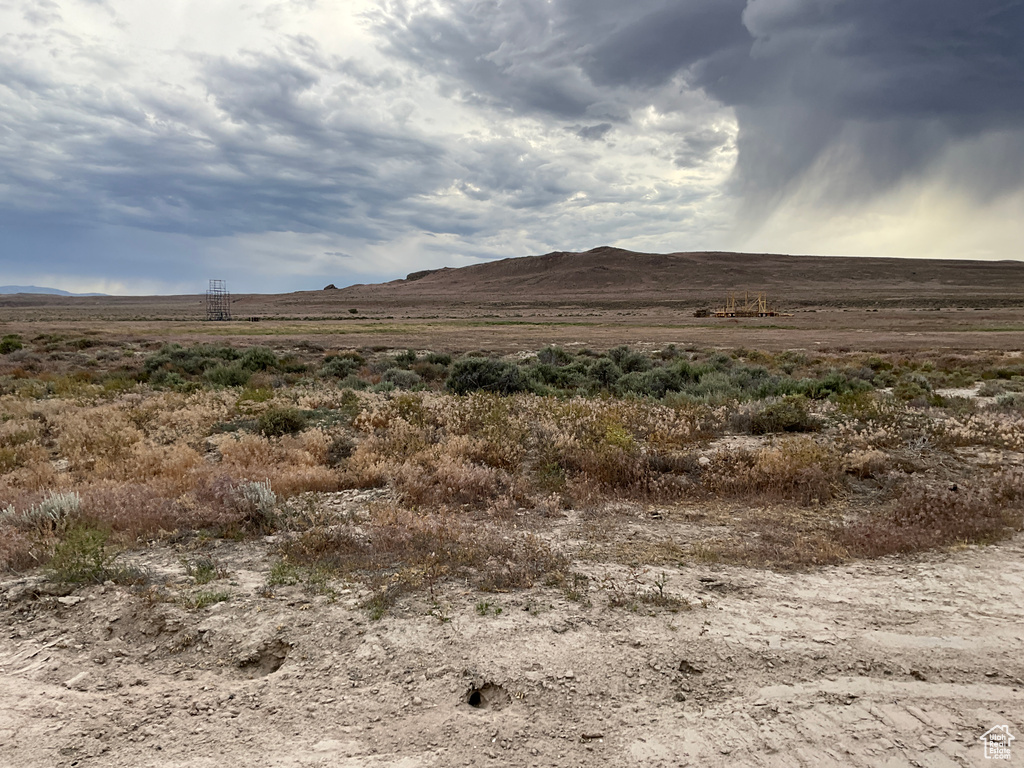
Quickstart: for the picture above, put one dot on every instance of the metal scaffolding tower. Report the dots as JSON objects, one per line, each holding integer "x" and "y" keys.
{"x": 218, "y": 301}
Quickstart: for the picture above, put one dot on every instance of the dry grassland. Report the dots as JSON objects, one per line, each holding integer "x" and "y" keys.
{"x": 387, "y": 461}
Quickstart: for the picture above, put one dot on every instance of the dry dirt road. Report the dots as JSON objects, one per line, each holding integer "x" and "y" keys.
{"x": 883, "y": 663}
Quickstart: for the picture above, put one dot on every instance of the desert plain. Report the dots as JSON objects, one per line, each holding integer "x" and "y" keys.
{"x": 528, "y": 513}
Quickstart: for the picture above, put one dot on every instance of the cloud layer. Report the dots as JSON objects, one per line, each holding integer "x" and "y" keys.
{"x": 149, "y": 146}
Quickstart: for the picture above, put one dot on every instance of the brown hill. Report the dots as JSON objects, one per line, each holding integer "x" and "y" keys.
{"x": 612, "y": 275}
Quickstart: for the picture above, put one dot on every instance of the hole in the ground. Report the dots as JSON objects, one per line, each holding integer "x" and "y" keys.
{"x": 266, "y": 660}
{"x": 487, "y": 696}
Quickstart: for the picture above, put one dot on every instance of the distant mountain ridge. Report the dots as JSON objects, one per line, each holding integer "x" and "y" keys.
{"x": 37, "y": 289}
{"x": 609, "y": 275}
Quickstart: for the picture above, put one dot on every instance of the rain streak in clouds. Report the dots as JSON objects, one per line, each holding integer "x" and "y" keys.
{"x": 147, "y": 146}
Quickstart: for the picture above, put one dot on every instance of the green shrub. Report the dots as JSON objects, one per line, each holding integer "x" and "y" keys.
{"x": 259, "y": 359}
{"x": 554, "y": 356}
{"x": 204, "y": 599}
{"x": 912, "y": 386}
{"x": 790, "y": 414}
{"x": 54, "y": 513}
{"x": 203, "y": 570}
{"x": 10, "y": 343}
{"x": 630, "y": 361}
{"x": 720, "y": 362}
{"x": 276, "y": 421}
{"x": 1012, "y": 401}
{"x": 480, "y": 373}
{"x": 430, "y": 371}
{"x": 353, "y": 382}
{"x": 192, "y": 361}
{"x": 567, "y": 377}
{"x": 405, "y": 358}
{"x": 233, "y": 375}
{"x": 834, "y": 383}
{"x": 653, "y": 383}
{"x": 339, "y": 366}
{"x": 605, "y": 372}
{"x": 258, "y": 504}
{"x": 168, "y": 380}
{"x": 82, "y": 556}
{"x": 440, "y": 358}
{"x": 401, "y": 378}
{"x": 714, "y": 386}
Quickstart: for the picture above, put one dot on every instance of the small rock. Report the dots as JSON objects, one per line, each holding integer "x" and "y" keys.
{"x": 77, "y": 681}
{"x": 416, "y": 701}
{"x": 704, "y": 461}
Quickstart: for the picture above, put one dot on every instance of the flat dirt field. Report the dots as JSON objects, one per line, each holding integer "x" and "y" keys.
{"x": 664, "y": 635}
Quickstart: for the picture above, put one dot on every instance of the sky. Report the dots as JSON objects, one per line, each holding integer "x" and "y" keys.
{"x": 280, "y": 145}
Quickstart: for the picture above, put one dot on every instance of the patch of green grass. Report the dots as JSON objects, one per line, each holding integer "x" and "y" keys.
{"x": 203, "y": 570}
{"x": 382, "y": 599}
{"x": 487, "y": 608}
{"x": 200, "y": 600}
{"x": 283, "y": 574}
{"x": 84, "y": 556}
{"x": 315, "y": 579}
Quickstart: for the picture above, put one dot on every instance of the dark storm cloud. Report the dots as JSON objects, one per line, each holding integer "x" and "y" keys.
{"x": 520, "y": 55}
{"x": 887, "y": 86}
{"x": 592, "y": 132}
{"x": 883, "y": 87}
{"x": 665, "y": 38}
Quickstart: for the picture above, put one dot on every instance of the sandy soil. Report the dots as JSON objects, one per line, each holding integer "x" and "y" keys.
{"x": 882, "y": 663}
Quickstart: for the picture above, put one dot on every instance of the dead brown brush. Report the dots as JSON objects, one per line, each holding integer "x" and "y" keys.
{"x": 19, "y": 550}
{"x": 925, "y": 516}
{"x": 795, "y": 469}
{"x": 422, "y": 547}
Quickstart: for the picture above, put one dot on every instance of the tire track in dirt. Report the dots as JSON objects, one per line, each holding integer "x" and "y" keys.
{"x": 890, "y": 662}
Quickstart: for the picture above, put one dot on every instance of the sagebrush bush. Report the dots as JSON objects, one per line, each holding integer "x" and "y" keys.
{"x": 277, "y": 421}
{"x": 55, "y": 513}
{"x": 630, "y": 361}
{"x": 912, "y": 386}
{"x": 402, "y": 379}
{"x": 257, "y": 503}
{"x": 10, "y": 343}
{"x": 789, "y": 414}
{"x": 473, "y": 374}
{"x": 259, "y": 359}
{"x": 192, "y": 361}
{"x": 339, "y": 367}
{"x": 605, "y": 372}
{"x": 554, "y": 356}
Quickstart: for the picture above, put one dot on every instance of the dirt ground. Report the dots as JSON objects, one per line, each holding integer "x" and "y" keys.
{"x": 891, "y": 662}
{"x": 514, "y": 331}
